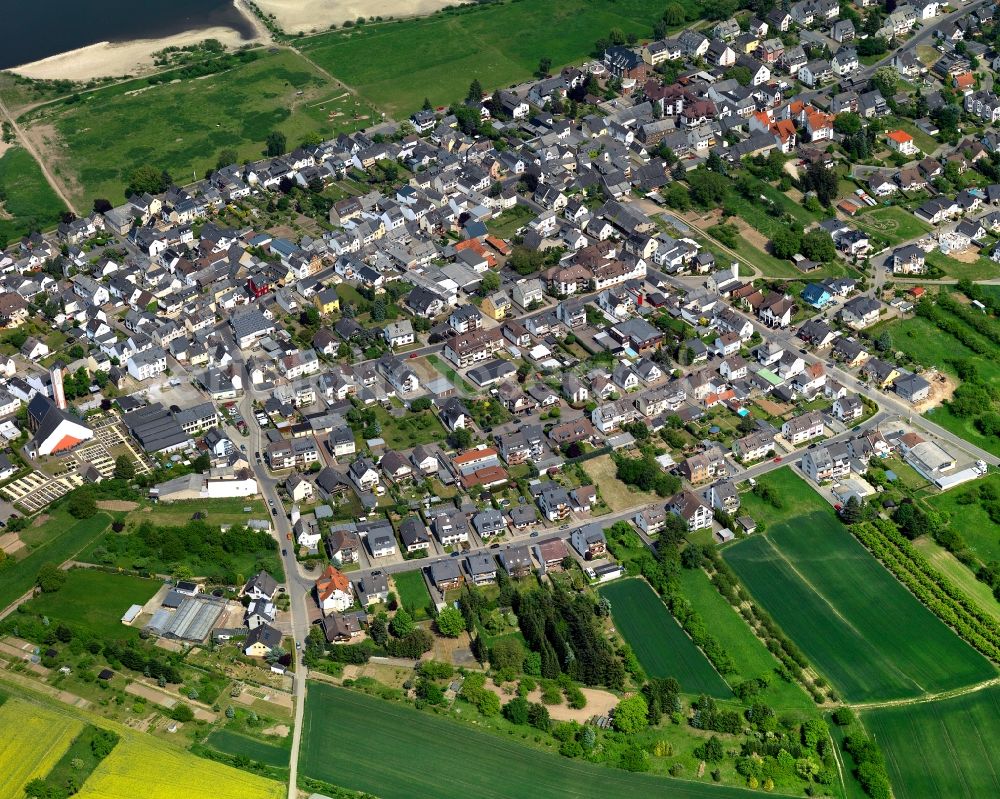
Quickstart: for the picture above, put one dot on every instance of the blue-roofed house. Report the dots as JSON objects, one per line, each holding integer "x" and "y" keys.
{"x": 816, "y": 295}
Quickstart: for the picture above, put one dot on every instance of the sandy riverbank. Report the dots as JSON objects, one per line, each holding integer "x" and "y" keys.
{"x": 107, "y": 59}
{"x": 308, "y": 15}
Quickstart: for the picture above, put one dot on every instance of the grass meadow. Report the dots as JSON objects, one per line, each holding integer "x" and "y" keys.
{"x": 27, "y": 201}
{"x": 95, "y": 600}
{"x": 95, "y": 142}
{"x": 397, "y": 752}
{"x": 945, "y": 748}
{"x": 232, "y": 743}
{"x": 397, "y": 64}
{"x": 57, "y": 540}
{"x": 866, "y": 633}
{"x": 749, "y": 653}
{"x": 412, "y": 592}
{"x": 662, "y": 647}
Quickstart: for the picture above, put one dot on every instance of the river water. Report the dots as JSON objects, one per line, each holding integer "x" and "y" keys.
{"x": 36, "y": 29}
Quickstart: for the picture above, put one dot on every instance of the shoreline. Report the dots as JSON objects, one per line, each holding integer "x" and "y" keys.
{"x": 310, "y": 16}
{"x": 134, "y": 57}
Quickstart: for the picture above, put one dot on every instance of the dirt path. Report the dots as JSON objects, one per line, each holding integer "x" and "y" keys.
{"x": 33, "y": 152}
{"x": 921, "y": 700}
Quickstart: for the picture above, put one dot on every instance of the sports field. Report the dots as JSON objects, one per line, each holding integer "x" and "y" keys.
{"x": 182, "y": 127}
{"x": 748, "y": 652}
{"x": 232, "y": 743}
{"x": 396, "y": 65}
{"x": 32, "y": 739}
{"x": 397, "y": 752}
{"x": 946, "y": 748}
{"x": 27, "y": 202}
{"x": 663, "y": 649}
{"x": 140, "y": 766}
{"x": 413, "y": 593}
{"x": 96, "y": 601}
{"x": 855, "y": 623}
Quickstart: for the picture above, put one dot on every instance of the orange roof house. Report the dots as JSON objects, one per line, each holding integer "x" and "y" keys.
{"x": 333, "y": 590}
{"x": 901, "y": 142}
{"x": 964, "y": 80}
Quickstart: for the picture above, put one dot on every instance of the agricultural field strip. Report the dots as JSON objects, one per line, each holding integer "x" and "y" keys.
{"x": 390, "y": 738}
{"x": 833, "y": 608}
{"x": 664, "y": 649}
{"x": 32, "y": 740}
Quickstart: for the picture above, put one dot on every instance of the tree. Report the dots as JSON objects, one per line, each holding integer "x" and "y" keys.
{"x": 507, "y": 654}
{"x": 475, "y": 94}
{"x": 401, "y": 624}
{"x": 884, "y": 341}
{"x": 847, "y": 123}
{"x": 124, "y": 468}
{"x": 544, "y": 65}
{"x": 226, "y": 158}
{"x": 851, "y": 512}
{"x": 378, "y": 630}
{"x": 741, "y": 74}
{"x": 50, "y": 578}
{"x": 489, "y": 283}
{"x": 631, "y": 715}
{"x": 822, "y": 181}
{"x": 516, "y": 710}
{"x": 885, "y": 80}
{"x": 147, "y": 180}
{"x": 677, "y": 197}
{"x": 81, "y": 504}
{"x": 450, "y": 622}
{"x": 674, "y": 15}
{"x": 276, "y": 143}
{"x": 786, "y": 242}
{"x": 708, "y": 189}
{"x": 817, "y": 245}
{"x": 427, "y": 105}
{"x": 460, "y": 438}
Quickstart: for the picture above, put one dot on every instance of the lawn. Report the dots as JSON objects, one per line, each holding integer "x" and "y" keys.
{"x": 142, "y": 766}
{"x": 945, "y": 748}
{"x": 663, "y": 648}
{"x": 979, "y": 269}
{"x": 215, "y": 512}
{"x": 32, "y": 740}
{"x": 96, "y": 601}
{"x": 868, "y": 635}
{"x": 397, "y": 752}
{"x": 58, "y": 540}
{"x": 981, "y": 534}
{"x": 748, "y": 652}
{"x": 410, "y": 429}
{"x": 507, "y": 224}
{"x": 397, "y": 64}
{"x": 232, "y": 743}
{"x": 893, "y": 224}
{"x": 181, "y": 127}
{"x": 27, "y": 202}
{"x": 614, "y": 492}
{"x": 412, "y": 592}
{"x": 959, "y": 574}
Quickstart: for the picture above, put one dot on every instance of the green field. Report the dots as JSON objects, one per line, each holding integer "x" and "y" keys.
{"x": 663, "y": 648}
{"x": 960, "y": 575}
{"x": 58, "y": 540}
{"x": 413, "y": 593}
{"x": 95, "y": 143}
{"x": 748, "y": 652}
{"x": 397, "y": 64}
{"x": 232, "y": 743}
{"x": 96, "y": 601}
{"x": 216, "y": 511}
{"x": 946, "y": 748}
{"x": 981, "y": 534}
{"x": 397, "y": 752}
{"x": 855, "y": 623}
{"x": 893, "y": 224}
{"x": 27, "y": 202}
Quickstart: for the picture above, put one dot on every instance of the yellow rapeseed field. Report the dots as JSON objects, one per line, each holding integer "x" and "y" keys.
{"x": 32, "y": 740}
{"x": 142, "y": 767}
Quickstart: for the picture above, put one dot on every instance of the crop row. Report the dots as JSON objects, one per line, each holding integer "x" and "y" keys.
{"x": 932, "y": 588}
